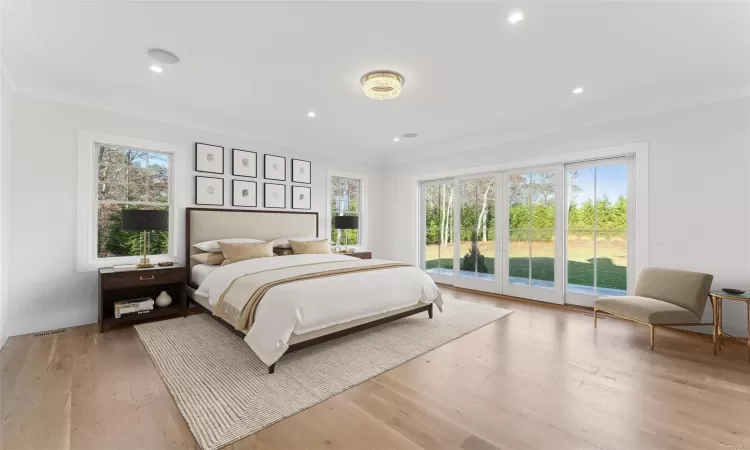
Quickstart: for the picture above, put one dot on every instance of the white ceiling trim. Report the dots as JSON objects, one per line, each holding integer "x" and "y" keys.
{"x": 478, "y": 141}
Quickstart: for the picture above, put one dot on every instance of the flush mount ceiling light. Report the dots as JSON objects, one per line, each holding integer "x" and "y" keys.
{"x": 409, "y": 135}
{"x": 578, "y": 90}
{"x": 382, "y": 85}
{"x": 162, "y": 56}
{"x": 515, "y": 17}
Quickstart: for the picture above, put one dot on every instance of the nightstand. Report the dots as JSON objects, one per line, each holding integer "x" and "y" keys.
{"x": 115, "y": 285}
{"x": 361, "y": 254}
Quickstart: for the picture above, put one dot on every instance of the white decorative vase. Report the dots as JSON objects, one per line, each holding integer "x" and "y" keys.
{"x": 163, "y": 300}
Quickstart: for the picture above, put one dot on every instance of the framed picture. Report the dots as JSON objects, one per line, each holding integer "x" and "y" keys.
{"x": 300, "y": 197}
{"x": 274, "y": 167}
{"x": 244, "y": 193}
{"x": 301, "y": 171}
{"x": 244, "y": 163}
{"x": 209, "y": 191}
{"x": 274, "y": 195}
{"x": 209, "y": 158}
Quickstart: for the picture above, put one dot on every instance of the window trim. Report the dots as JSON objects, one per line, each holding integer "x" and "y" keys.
{"x": 86, "y": 259}
{"x": 363, "y": 204}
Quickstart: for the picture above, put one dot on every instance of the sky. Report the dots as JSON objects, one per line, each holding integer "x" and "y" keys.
{"x": 611, "y": 180}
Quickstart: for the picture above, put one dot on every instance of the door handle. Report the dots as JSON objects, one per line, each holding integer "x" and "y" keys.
{"x": 149, "y": 278}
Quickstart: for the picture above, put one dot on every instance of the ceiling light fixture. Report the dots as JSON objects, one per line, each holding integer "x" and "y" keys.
{"x": 578, "y": 90}
{"x": 163, "y": 56}
{"x": 516, "y": 16}
{"x": 409, "y": 135}
{"x": 382, "y": 85}
{"x": 155, "y": 68}
{"x": 311, "y": 114}
{"x": 396, "y": 139}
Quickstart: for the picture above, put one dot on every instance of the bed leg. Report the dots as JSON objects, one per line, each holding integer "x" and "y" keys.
{"x": 271, "y": 368}
{"x": 429, "y": 311}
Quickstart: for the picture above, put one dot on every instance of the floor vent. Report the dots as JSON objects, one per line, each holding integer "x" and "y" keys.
{"x": 47, "y": 333}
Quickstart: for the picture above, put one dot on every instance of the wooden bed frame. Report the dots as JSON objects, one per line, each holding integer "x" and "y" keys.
{"x": 298, "y": 345}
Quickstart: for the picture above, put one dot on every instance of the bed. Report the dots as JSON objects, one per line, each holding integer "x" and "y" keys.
{"x": 283, "y": 304}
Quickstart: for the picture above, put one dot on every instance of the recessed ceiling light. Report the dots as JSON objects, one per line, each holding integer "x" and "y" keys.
{"x": 515, "y": 16}
{"x": 155, "y": 68}
{"x": 396, "y": 139}
{"x": 578, "y": 90}
{"x": 311, "y": 114}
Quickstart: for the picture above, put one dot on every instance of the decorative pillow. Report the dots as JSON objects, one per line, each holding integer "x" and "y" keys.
{"x": 209, "y": 258}
{"x": 213, "y": 246}
{"x": 234, "y": 252}
{"x": 280, "y": 251}
{"x": 284, "y": 242}
{"x": 310, "y": 247}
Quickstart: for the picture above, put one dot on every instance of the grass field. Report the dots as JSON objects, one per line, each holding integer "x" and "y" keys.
{"x": 611, "y": 260}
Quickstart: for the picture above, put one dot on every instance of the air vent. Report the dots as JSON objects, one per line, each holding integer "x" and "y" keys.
{"x": 47, "y": 333}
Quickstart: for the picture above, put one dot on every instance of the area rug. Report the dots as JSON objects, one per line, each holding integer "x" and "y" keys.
{"x": 225, "y": 393}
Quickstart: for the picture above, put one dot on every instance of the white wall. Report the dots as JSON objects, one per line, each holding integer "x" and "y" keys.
{"x": 46, "y": 292}
{"x": 6, "y": 120}
{"x": 699, "y": 199}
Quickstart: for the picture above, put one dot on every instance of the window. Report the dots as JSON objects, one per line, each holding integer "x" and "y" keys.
{"x": 129, "y": 178}
{"x": 116, "y": 173}
{"x": 346, "y": 196}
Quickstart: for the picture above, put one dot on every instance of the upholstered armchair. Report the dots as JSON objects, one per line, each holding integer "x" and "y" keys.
{"x": 662, "y": 297}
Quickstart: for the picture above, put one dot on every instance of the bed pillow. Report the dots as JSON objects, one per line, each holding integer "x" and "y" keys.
{"x": 211, "y": 259}
{"x": 213, "y": 246}
{"x": 310, "y": 247}
{"x": 234, "y": 252}
{"x": 284, "y": 242}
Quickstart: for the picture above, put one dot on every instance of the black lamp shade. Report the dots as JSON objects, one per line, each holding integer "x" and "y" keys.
{"x": 346, "y": 222}
{"x": 144, "y": 220}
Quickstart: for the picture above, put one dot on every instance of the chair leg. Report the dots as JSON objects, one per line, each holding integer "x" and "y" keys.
{"x": 271, "y": 368}
{"x": 652, "y": 336}
{"x": 595, "y": 311}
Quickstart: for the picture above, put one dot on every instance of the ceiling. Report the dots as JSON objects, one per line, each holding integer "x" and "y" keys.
{"x": 255, "y": 69}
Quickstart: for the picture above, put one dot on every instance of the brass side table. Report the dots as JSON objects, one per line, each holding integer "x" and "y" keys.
{"x": 717, "y": 298}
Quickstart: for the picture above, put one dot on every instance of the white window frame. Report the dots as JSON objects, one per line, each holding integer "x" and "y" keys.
{"x": 363, "y": 204}
{"x": 86, "y": 254}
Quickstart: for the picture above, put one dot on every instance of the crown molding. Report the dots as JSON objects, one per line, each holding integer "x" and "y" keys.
{"x": 557, "y": 124}
{"x": 173, "y": 117}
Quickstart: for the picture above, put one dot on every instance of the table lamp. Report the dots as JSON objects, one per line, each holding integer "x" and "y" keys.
{"x": 346, "y": 223}
{"x": 145, "y": 221}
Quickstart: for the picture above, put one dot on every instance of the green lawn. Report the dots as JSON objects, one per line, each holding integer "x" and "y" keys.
{"x": 611, "y": 261}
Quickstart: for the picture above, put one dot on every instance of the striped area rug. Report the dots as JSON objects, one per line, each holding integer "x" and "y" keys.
{"x": 225, "y": 393}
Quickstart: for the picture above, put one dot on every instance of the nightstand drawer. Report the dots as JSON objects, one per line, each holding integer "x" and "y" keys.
{"x": 119, "y": 280}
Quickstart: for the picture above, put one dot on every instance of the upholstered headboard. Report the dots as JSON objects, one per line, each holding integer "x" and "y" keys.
{"x": 206, "y": 224}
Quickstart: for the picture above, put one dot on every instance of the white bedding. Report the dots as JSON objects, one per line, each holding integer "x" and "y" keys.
{"x": 199, "y": 272}
{"x": 304, "y": 306}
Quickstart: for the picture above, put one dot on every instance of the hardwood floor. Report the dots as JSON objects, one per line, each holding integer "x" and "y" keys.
{"x": 541, "y": 378}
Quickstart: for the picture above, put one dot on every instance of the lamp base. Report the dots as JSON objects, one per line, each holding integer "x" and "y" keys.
{"x": 144, "y": 266}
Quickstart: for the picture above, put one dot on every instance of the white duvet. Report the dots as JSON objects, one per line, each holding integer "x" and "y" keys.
{"x": 308, "y": 305}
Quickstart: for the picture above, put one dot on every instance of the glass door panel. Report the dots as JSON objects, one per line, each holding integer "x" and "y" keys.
{"x": 438, "y": 249}
{"x": 477, "y": 228}
{"x": 597, "y": 229}
{"x": 532, "y": 247}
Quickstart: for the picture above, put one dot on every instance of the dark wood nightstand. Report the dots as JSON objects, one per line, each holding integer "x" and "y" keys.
{"x": 361, "y": 254}
{"x": 115, "y": 285}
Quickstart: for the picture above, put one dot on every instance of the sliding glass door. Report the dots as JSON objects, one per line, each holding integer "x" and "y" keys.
{"x": 532, "y": 256}
{"x": 558, "y": 234}
{"x": 599, "y": 205}
{"x": 437, "y": 249}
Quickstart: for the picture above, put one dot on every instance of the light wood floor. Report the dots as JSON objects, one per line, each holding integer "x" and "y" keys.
{"x": 541, "y": 378}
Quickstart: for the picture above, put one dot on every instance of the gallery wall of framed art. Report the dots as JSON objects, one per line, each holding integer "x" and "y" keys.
{"x": 254, "y": 179}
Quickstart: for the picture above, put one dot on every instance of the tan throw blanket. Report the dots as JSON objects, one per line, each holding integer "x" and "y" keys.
{"x": 239, "y": 301}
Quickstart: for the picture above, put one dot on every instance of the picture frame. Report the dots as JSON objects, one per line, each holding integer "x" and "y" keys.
{"x": 301, "y": 197}
{"x": 209, "y": 158}
{"x": 274, "y": 167}
{"x": 301, "y": 171}
{"x": 244, "y": 163}
{"x": 245, "y": 193}
{"x": 274, "y": 195}
{"x": 209, "y": 191}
